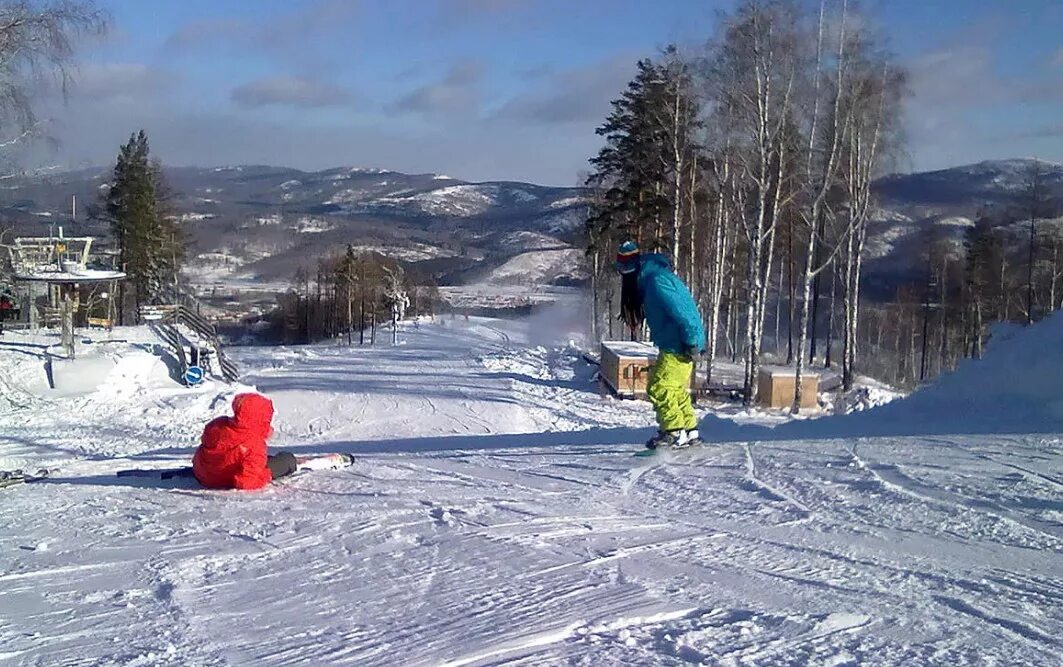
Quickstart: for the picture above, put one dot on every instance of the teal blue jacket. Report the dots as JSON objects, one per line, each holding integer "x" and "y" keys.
{"x": 673, "y": 317}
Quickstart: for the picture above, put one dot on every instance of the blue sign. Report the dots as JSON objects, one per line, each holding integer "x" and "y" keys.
{"x": 193, "y": 376}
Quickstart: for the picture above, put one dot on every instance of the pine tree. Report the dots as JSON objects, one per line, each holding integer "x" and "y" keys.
{"x": 151, "y": 245}
{"x": 630, "y": 168}
{"x": 644, "y": 176}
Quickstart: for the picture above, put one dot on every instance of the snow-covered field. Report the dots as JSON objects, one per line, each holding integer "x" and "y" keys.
{"x": 495, "y": 515}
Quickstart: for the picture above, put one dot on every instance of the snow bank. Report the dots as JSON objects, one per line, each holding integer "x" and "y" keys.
{"x": 1017, "y": 387}
{"x": 118, "y": 397}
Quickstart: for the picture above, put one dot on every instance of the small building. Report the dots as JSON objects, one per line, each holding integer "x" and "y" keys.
{"x": 776, "y": 384}
{"x": 61, "y": 267}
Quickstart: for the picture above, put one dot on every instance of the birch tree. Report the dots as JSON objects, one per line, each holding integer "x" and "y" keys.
{"x": 872, "y": 99}
{"x": 753, "y": 72}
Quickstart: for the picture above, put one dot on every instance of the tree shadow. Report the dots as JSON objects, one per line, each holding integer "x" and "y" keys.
{"x": 32, "y": 349}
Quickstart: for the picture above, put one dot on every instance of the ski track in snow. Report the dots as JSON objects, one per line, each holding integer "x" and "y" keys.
{"x": 495, "y": 515}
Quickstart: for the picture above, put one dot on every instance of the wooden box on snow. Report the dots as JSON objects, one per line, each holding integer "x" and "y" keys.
{"x": 775, "y": 387}
{"x": 625, "y": 367}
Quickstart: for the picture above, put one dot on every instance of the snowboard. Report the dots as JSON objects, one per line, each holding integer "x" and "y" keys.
{"x": 645, "y": 453}
{"x": 304, "y": 463}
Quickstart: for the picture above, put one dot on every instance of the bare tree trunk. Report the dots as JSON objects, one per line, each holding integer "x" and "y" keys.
{"x": 1029, "y": 269}
{"x": 813, "y": 320}
{"x": 802, "y": 330}
{"x": 1055, "y": 276}
{"x": 926, "y": 324}
{"x": 942, "y": 295}
{"x": 830, "y": 316}
{"x": 350, "y": 314}
{"x": 1002, "y": 307}
{"x": 595, "y": 306}
{"x": 692, "y": 213}
{"x": 792, "y": 294}
{"x": 732, "y": 320}
{"x": 820, "y": 183}
{"x": 677, "y": 198}
{"x": 361, "y": 307}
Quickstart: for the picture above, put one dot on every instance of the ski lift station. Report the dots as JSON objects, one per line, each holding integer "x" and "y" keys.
{"x": 58, "y": 282}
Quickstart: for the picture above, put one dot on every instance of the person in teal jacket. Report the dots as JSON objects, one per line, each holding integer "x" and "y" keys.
{"x": 651, "y": 292}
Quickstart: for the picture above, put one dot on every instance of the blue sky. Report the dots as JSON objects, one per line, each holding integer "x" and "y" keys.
{"x": 502, "y": 89}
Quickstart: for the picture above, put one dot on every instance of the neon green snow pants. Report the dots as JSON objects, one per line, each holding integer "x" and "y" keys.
{"x": 669, "y": 392}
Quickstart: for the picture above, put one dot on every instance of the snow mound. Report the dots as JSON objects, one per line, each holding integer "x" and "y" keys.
{"x": 867, "y": 395}
{"x": 118, "y": 397}
{"x": 1016, "y": 387}
{"x": 542, "y": 267}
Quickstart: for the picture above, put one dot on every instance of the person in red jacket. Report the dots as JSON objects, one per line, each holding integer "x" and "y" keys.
{"x": 232, "y": 451}
{"x": 6, "y": 308}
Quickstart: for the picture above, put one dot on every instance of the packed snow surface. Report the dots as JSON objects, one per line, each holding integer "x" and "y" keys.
{"x": 495, "y": 515}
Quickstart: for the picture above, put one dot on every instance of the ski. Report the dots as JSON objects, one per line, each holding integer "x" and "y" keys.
{"x": 157, "y": 473}
{"x": 305, "y": 463}
{"x": 324, "y": 462}
{"x": 15, "y": 477}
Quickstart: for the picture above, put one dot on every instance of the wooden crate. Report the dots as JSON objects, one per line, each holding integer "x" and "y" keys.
{"x": 775, "y": 387}
{"x": 625, "y": 367}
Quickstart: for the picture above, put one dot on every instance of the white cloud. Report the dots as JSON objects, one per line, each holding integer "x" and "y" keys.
{"x": 292, "y": 91}
{"x": 120, "y": 81}
{"x": 284, "y": 36}
{"x": 579, "y": 95}
{"x": 1057, "y": 58}
{"x": 458, "y": 92}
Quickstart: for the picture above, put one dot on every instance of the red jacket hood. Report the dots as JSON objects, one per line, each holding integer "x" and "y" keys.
{"x": 253, "y": 414}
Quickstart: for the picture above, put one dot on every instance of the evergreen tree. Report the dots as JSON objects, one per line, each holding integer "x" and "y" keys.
{"x": 151, "y": 245}
{"x": 630, "y": 168}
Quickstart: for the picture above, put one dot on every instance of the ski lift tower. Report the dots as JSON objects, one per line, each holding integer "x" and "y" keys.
{"x": 61, "y": 265}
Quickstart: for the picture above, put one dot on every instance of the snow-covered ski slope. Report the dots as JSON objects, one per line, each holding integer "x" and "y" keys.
{"x": 495, "y": 515}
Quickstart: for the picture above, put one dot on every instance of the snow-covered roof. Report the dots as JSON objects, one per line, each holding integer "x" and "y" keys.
{"x": 629, "y": 348}
{"x": 79, "y": 276}
{"x": 785, "y": 371}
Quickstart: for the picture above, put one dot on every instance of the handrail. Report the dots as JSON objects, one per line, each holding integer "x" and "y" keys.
{"x": 182, "y": 314}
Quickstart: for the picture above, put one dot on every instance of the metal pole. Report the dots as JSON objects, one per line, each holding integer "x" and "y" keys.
{"x": 68, "y": 324}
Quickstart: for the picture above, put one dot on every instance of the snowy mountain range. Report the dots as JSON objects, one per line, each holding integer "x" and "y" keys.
{"x": 939, "y": 206}
{"x": 261, "y": 223}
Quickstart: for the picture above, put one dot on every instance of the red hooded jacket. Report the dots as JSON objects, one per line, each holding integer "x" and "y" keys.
{"x": 232, "y": 451}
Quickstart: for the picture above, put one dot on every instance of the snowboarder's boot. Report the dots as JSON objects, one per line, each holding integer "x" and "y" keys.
{"x": 691, "y": 438}
{"x": 667, "y": 439}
